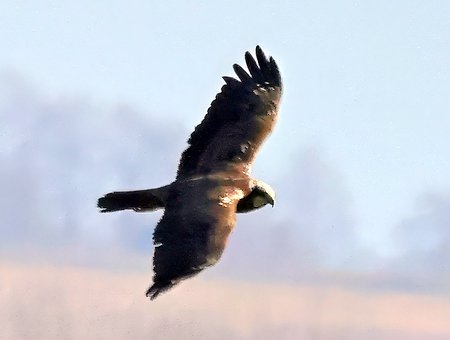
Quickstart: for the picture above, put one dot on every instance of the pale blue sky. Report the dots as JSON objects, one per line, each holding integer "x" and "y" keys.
{"x": 366, "y": 82}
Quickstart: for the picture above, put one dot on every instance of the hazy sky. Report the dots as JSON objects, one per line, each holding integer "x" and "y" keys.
{"x": 367, "y": 82}
{"x": 366, "y": 87}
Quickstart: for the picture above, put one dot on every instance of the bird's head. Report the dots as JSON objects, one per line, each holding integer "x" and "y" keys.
{"x": 261, "y": 194}
{"x": 264, "y": 194}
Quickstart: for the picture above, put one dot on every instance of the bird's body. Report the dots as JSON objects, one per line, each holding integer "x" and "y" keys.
{"x": 213, "y": 180}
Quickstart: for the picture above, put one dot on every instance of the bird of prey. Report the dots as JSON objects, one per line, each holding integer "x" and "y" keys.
{"x": 213, "y": 181}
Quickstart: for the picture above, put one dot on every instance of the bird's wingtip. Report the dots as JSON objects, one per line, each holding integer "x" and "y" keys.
{"x": 157, "y": 288}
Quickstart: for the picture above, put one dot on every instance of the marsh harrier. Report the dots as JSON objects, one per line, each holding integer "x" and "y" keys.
{"x": 213, "y": 181}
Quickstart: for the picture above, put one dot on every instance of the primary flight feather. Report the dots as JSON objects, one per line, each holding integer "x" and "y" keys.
{"x": 213, "y": 181}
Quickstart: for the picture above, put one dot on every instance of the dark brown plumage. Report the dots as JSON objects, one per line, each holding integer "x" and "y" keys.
{"x": 213, "y": 180}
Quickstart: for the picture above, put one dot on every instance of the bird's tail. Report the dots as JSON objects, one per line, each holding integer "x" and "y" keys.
{"x": 140, "y": 200}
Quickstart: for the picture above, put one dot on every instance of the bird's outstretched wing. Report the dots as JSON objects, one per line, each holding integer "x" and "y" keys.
{"x": 193, "y": 231}
{"x": 200, "y": 210}
{"x": 238, "y": 120}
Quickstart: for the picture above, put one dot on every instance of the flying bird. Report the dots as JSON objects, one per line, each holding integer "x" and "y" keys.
{"x": 213, "y": 181}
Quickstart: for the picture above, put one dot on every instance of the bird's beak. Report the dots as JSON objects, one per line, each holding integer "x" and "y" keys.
{"x": 272, "y": 202}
